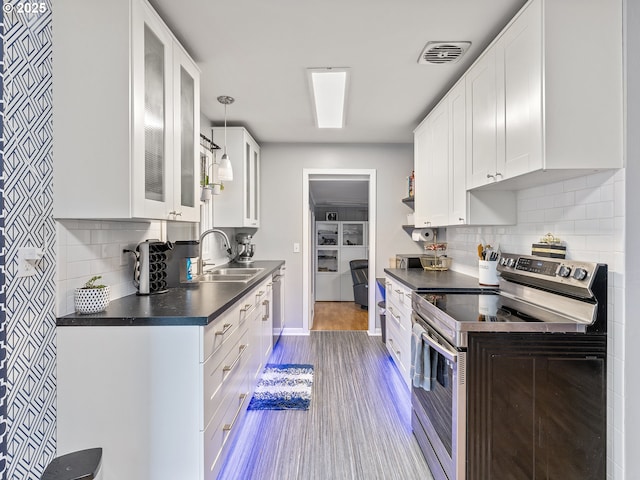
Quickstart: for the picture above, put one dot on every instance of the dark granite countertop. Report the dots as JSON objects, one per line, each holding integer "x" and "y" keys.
{"x": 199, "y": 304}
{"x": 422, "y": 280}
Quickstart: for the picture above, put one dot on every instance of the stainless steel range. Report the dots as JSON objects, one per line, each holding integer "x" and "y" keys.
{"x": 472, "y": 349}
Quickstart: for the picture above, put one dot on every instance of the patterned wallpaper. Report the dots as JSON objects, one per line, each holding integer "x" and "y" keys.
{"x": 3, "y": 317}
{"x": 29, "y": 364}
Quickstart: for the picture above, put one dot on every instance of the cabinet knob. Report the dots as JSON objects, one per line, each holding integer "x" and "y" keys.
{"x": 490, "y": 176}
{"x": 498, "y": 174}
{"x": 460, "y": 219}
{"x": 175, "y": 213}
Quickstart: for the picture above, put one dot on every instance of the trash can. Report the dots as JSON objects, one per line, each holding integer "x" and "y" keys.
{"x": 80, "y": 465}
{"x": 383, "y": 319}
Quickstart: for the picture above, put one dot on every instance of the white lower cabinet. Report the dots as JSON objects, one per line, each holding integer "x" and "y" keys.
{"x": 398, "y": 326}
{"x": 162, "y": 401}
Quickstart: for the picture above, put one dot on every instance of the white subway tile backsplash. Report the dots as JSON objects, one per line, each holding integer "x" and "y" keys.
{"x": 93, "y": 247}
{"x": 574, "y": 212}
{"x": 564, "y": 199}
{"x": 553, "y": 214}
{"x": 575, "y": 184}
{"x": 600, "y": 178}
{"x": 80, "y": 269}
{"x": 553, "y": 188}
{"x": 76, "y": 253}
{"x": 78, "y": 237}
{"x": 102, "y": 236}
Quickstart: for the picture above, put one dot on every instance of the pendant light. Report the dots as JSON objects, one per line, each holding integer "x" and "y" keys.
{"x": 225, "y": 170}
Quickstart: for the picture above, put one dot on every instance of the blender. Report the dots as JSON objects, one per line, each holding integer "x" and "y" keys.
{"x": 245, "y": 248}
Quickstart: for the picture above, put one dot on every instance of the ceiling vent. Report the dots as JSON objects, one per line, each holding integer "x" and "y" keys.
{"x": 438, "y": 53}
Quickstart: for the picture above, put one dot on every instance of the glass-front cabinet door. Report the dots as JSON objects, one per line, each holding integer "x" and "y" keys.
{"x": 327, "y": 261}
{"x": 353, "y": 234}
{"x": 186, "y": 128}
{"x": 152, "y": 46}
{"x": 166, "y": 122}
{"x": 327, "y": 233}
{"x": 251, "y": 183}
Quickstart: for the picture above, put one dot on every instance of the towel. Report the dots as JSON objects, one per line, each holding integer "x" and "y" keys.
{"x": 421, "y": 371}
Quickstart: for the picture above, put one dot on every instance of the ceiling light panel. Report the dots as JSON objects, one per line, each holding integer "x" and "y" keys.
{"x": 329, "y": 88}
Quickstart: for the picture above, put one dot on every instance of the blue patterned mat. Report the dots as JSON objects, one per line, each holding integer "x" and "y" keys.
{"x": 285, "y": 386}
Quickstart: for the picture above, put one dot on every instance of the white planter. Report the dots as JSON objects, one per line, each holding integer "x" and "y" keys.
{"x": 91, "y": 300}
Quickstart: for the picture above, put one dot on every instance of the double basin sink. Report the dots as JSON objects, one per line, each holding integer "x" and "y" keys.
{"x": 229, "y": 275}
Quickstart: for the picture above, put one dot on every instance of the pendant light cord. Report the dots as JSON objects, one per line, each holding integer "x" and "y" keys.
{"x": 225, "y": 128}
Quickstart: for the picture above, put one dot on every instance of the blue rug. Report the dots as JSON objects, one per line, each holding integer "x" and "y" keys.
{"x": 285, "y": 386}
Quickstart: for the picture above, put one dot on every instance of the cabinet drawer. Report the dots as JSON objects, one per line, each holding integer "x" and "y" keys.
{"x": 399, "y": 346}
{"x": 219, "y": 332}
{"x": 221, "y": 427}
{"x": 403, "y": 367}
{"x": 398, "y": 294}
{"x": 220, "y": 373}
{"x": 400, "y": 317}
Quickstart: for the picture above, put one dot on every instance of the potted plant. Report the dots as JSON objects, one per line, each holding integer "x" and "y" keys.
{"x": 91, "y": 298}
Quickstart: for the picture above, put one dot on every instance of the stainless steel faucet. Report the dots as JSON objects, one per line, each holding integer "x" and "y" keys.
{"x": 203, "y": 235}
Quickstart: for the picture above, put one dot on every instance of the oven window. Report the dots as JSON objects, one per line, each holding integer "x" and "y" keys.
{"x": 438, "y": 401}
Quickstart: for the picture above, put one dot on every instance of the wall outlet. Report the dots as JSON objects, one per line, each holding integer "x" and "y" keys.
{"x": 28, "y": 258}
{"x": 296, "y": 248}
{"x": 125, "y": 257}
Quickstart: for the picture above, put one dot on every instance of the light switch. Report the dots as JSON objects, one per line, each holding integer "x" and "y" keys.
{"x": 296, "y": 248}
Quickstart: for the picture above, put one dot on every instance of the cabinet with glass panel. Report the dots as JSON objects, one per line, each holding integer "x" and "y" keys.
{"x": 337, "y": 243}
{"x": 138, "y": 158}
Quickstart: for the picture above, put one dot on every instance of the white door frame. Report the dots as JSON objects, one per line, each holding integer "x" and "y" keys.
{"x": 306, "y": 241}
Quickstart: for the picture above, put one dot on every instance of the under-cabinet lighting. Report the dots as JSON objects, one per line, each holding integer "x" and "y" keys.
{"x": 329, "y": 90}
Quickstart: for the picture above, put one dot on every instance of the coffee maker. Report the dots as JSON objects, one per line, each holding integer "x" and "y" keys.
{"x": 245, "y": 248}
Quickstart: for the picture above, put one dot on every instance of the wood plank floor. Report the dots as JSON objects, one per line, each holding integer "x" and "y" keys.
{"x": 357, "y": 427}
{"x": 339, "y": 316}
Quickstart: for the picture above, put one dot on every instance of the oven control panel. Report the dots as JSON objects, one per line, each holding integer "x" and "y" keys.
{"x": 543, "y": 267}
{"x": 567, "y": 272}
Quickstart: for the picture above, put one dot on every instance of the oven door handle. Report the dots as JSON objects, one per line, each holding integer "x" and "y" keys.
{"x": 447, "y": 353}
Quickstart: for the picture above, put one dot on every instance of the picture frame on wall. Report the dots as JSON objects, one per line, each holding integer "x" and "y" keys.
{"x": 332, "y": 216}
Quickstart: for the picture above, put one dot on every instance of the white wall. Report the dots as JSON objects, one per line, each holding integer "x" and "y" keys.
{"x": 282, "y": 205}
{"x": 628, "y": 438}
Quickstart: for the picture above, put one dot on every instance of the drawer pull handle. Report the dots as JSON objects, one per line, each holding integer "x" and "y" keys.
{"x": 260, "y": 293}
{"x": 265, "y": 317}
{"x": 246, "y": 307}
{"x": 408, "y": 295}
{"x": 398, "y": 291}
{"x": 228, "y": 426}
{"x": 397, "y": 352}
{"x": 225, "y": 329}
{"x": 228, "y": 368}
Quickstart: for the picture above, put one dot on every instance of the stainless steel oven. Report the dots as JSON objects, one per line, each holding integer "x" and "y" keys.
{"x": 439, "y": 412}
{"x": 536, "y": 296}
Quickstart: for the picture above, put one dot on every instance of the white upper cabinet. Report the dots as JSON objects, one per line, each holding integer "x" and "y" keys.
{"x": 239, "y": 203}
{"x": 482, "y": 117}
{"x": 536, "y": 111}
{"x": 126, "y": 114}
{"x": 432, "y": 169}
{"x": 441, "y": 196}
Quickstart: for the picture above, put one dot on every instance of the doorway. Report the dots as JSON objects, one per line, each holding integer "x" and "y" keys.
{"x": 343, "y": 201}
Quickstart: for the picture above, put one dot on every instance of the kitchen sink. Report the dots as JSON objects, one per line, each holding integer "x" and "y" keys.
{"x": 229, "y": 275}
{"x": 236, "y": 271}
